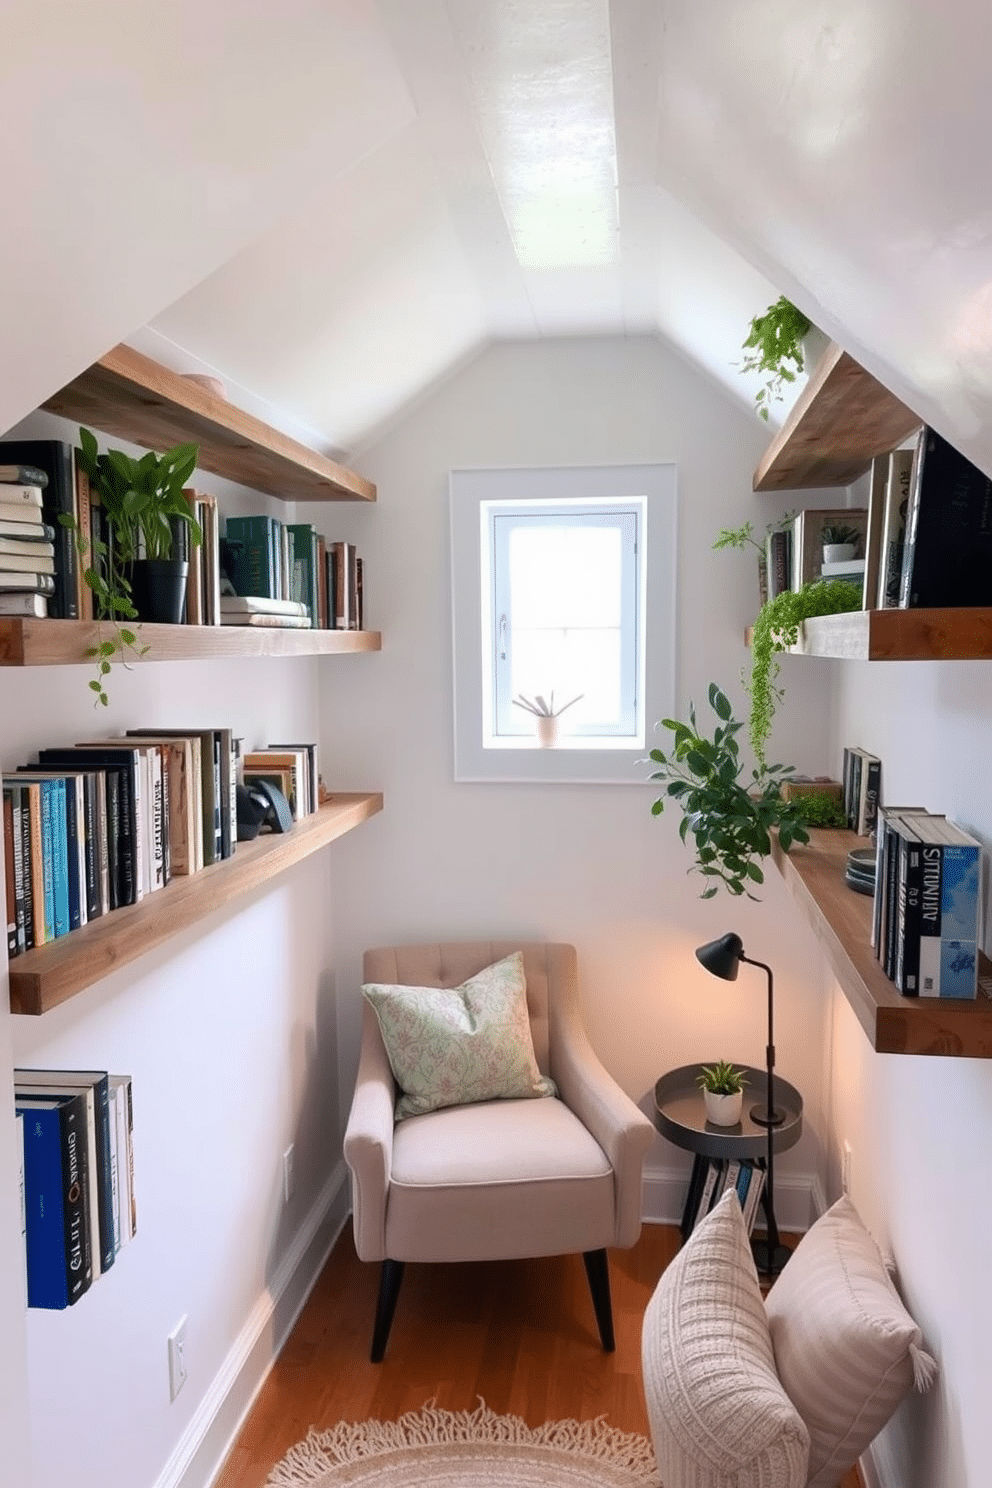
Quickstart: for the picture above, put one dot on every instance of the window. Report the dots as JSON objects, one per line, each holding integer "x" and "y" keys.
{"x": 563, "y": 582}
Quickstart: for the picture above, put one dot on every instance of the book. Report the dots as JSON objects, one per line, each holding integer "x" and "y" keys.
{"x": 178, "y": 801}
{"x": 76, "y": 836}
{"x": 15, "y": 869}
{"x": 807, "y": 539}
{"x": 312, "y": 773}
{"x": 57, "y": 459}
{"x": 273, "y": 622}
{"x": 947, "y": 559}
{"x": 894, "y": 528}
{"x": 217, "y": 787}
{"x": 949, "y": 912}
{"x": 97, "y": 1084}
{"x": 851, "y": 568}
{"x": 8, "y": 863}
{"x": 756, "y": 1186}
{"x": 877, "y": 482}
{"x": 28, "y": 583}
{"x": 22, "y": 514}
{"x": 713, "y": 1170}
{"x": 57, "y": 1232}
{"x": 59, "y": 1089}
{"x": 29, "y": 476}
{"x": 16, "y": 602}
{"x": 279, "y": 765}
{"x": 884, "y": 848}
{"x": 305, "y": 553}
{"x": 254, "y": 604}
{"x": 120, "y": 1086}
{"x": 54, "y": 853}
{"x": 27, "y": 532}
{"x": 125, "y": 809}
{"x": 866, "y": 786}
{"x": 27, "y": 553}
{"x": 341, "y": 583}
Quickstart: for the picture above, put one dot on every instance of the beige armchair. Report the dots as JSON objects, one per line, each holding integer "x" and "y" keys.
{"x": 499, "y": 1179}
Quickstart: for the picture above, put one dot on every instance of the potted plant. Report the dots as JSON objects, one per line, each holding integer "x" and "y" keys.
{"x": 774, "y": 347}
{"x": 723, "y": 1092}
{"x": 731, "y": 821}
{"x": 839, "y": 542}
{"x": 131, "y": 570}
{"x": 742, "y": 537}
{"x": 774, "y": 631}
{"x": 546, "y": 713}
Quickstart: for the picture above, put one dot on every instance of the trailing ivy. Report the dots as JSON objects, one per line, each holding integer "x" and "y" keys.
{"x": 776, "y": 630}
{"x": 731, "y": 820}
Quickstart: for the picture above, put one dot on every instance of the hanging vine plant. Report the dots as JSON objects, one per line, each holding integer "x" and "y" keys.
{"x": 776, "y": 630}
{"x": 774, "y": 347}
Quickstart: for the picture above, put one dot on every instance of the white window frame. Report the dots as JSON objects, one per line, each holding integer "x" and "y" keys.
{"x": 584, "y": 760}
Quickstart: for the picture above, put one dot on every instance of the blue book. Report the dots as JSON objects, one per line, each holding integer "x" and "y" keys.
{"x": 40, "y": 1084}
{"x": 949, "y": 913}
{"x": 55, "y": 853}
{"x": 56, "y": 1222}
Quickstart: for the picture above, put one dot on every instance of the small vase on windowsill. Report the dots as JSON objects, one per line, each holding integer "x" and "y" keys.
{"x": 547, "y": 731}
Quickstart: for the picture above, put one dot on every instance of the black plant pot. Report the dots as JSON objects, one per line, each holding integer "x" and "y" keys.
{"x": 158, "y": 589}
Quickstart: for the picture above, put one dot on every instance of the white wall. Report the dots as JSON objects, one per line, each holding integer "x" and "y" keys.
{"x": 920, "y": 1127}
{"x": 588, "y": 864}
{"x": 229, "y": 1032}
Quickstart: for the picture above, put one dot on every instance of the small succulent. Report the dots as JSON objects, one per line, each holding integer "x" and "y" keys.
{"x": 721, "y": 1078}
{"x": 840, "y": 534}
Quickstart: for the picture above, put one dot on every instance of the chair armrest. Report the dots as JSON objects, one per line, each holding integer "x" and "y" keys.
{"x": 368, "y": 1141}
{"x": 619, "y": 1126}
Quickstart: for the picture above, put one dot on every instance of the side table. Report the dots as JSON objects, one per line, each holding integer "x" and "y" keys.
{"x": 680, "y": 1116}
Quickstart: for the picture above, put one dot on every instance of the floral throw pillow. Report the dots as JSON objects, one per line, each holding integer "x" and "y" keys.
{"x": 449, "y": 1046}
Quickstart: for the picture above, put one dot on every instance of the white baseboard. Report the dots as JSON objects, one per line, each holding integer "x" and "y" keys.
{"x": 204, "y": 1445}
{"x": 799, "y": 1198}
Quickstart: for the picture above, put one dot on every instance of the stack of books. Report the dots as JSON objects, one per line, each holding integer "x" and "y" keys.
{"x": 925, "y": 926}
{"x": 711, "y": 1180}
{"x": 291, "y": 561}
{"x": 260, "y": 609}
{"x": 27, "y": 542}
{"x": 78, "y": 1165}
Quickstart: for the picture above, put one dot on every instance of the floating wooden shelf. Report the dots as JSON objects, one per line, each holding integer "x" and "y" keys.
{"x": 897, "y": 635}
{"x": 52, "y": 973}
{"x": 132, "y": 397}
{"x": 65, "y": 642}
{"x": 841, "y": 420}
{"x": 842, "y": 921}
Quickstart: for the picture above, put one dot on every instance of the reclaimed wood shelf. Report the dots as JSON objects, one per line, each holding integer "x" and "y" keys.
{"x": 897, "y": 635}
{"x": 66, "y": 642}
{"x": 842, "y": 921}
{"x": 841, "y": 420}
{"x": 134, "y": 398}
{"x": 52, "y": 973}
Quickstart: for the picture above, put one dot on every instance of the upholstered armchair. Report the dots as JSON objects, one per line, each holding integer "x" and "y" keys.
{"x": 494, "y": 1179}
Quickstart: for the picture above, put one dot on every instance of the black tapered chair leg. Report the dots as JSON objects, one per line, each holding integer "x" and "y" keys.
{"x": 598, "y": 1272}
{"x": 390, "y": 1281}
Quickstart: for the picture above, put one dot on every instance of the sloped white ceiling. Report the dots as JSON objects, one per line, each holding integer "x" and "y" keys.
{"x": 334, "y": 203}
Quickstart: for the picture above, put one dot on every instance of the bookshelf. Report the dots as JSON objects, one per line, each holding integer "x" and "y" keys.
{"x": 897, "y": 635}
{"x": 134, "y": 398}
{"x": 841, "y": 920}
{"x": 65, "y": 642}
{"x": 51, "y": 974}
{"x": 842, "y": 418}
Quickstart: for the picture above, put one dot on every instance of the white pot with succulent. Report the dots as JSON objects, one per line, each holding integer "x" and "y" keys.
{"x": 839, "y": 543}
{"x": 723, "y": 1092}
{"x": 547, "y": 715}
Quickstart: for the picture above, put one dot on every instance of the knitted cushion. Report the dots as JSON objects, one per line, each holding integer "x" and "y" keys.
{"x": 448, "y": 1046}
{"x": 719, "y": 1416}
{"x": 846, "y": 1349}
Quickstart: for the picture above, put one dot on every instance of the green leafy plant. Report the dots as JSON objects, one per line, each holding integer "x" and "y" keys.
{"x": 721, "y": 1078}
{"x": 774, "y": 631}
{"x": 838, "y": 533}
{"x": 774, "y": 347}
{"x": 819, "y": 809}
{"x": 731, "y": 820}
{"x": 139, "y": 498}
{"x": 742, "y": 537}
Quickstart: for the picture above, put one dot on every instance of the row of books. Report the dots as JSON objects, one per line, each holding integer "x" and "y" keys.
{"x": 79, "y": 1209}
{"x": 291, "y": 562}
{"x": 927, "y": 903}
{"x": 862, "y": 782}
{"x": 95, "y": 826}
{"x": 290, "y": 767}
{"x": 712, "y": 1178}
{"x": 30, "y": 581}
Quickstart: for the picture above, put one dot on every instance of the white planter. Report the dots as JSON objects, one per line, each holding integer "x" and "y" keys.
{"x": 838, "y": 552}
{"x": 723, "y": 1110}
{"x": 547, "y": 732}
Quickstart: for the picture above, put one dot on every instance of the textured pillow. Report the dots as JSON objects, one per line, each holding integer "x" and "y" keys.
{"x": 719, "y": 1417}
{"x": 846, "y": 1349}
{"x": 451, "y": 1045}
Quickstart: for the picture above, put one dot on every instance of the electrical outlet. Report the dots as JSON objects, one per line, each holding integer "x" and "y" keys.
{"x": 177, "y": 1358}
{"x": 845, "y": 1166}
{"x": 287, "y": 1173}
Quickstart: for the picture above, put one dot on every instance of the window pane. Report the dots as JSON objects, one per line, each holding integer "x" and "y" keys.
{"x": 565, "y": 575}
{"x": 569, "y": 662}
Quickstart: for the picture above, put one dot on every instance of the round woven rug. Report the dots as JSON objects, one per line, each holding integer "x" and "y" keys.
{"x": 434, "y": 1448}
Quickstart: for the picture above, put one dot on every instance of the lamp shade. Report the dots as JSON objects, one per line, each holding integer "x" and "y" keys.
{"x": 722, "y": 957}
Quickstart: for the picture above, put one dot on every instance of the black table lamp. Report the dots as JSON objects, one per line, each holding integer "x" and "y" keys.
{"x": 723, "y": 958}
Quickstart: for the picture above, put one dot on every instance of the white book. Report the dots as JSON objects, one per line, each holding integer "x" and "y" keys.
{"x": 120, "y": 1085}
{"x": 26, "y": 532}
{"x": 115, "y": 1212}
{"x": 256, "y": 604}
{"x": 847, "y": 569}
{"x": 16, "y": 602}
{"x": 18, "y": 494}
{"x": 25, "y": 552}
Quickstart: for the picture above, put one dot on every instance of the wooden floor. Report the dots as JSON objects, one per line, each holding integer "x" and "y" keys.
{"x": 519, "y": 1334}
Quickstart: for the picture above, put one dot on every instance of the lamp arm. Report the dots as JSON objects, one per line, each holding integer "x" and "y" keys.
{"x": 770, "y": 1050}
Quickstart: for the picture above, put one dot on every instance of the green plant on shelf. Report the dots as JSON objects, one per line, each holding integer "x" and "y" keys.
{"x": 839, "y": 533}
{"x": 731, "y": 820}
{"x": 820, "y": 809}
{"x": 776, "y": 630}
{"x": 721, "y": 1078}
{"x": 774, "y": 347}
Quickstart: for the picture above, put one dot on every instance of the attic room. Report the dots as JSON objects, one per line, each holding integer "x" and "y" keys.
{"x": 426, "y": 236}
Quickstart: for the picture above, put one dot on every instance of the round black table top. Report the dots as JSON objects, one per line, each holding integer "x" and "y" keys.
{"x": 681, "y": 1116}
